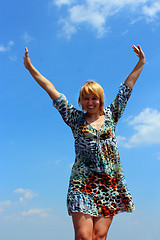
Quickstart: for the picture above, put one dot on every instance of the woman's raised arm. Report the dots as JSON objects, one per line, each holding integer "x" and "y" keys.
{"x": 40, "y": 79}
{"x": 133, "y": 76}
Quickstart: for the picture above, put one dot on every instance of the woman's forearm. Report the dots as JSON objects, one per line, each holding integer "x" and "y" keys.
{"x": 40, "y": 79}
{"x": 133, "y": 76}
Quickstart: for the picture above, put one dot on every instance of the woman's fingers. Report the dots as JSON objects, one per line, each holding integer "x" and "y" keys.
{"x": 138, "y": 51}
{"x": 26, "y": 52}
{"x": 139, "y": 47}
{"x": 27, "y": 61}
{"x": 135, "y": 49}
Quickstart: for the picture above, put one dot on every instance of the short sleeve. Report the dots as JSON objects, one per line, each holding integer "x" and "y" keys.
{"x": 118, "y": 105}
{"x": 67, "y": 111}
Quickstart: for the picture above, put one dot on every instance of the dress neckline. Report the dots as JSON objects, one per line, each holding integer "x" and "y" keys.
{"x": 91, "y": 127}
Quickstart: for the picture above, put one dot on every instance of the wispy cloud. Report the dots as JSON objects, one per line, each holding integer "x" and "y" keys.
{"x": 95, "y": 13}
{"x": 158, "y": 155}
{"x": 124, "y": 33}
{"x": 62, "y": 2}
{"x": 26, "y": 194}
{"x": 5, "y": 48}
{"x": 27, "y": 37}
{"x": 38, "y": 212}
{"x": 57, "y": 161}
{"x": 147, "y": 129}
{"x": 4, "y": 204}
{"x": 13, "y": 58}
{"x": 67, "y": 30}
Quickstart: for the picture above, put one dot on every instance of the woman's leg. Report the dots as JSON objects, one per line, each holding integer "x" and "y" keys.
{"x": 100, "y": 227}
{"x": 83, "y": 226}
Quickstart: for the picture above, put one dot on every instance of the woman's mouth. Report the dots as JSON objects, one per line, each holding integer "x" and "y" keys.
{"x": 90, "y": 107}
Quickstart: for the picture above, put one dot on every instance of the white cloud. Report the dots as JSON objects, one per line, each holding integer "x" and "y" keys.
{"x": 10, "y": 44}
{"x": 147, "y": 129}
{"x": 152, "y": 10}
{"x": 27, "y": 37}
{"x": 27, "y": 194}
{"x": 36, "y": 211}
{"x": 62, "y": 2}
{"x": 4, "y": 205}
{"x": 121, "y": 140}
{"x": 67, "y": 30}
{"x": 7, "y": 47}
{"x": 82, "y": 14}
{"x": 95, "y": 13}
{"x": 3, "y": 48}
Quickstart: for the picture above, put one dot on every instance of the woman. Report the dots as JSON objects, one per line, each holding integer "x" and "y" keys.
{"x": 97, "y": 189}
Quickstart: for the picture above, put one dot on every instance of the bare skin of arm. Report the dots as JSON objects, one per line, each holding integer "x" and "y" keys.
{"x": 133, "y": 76}
{"x": 40, "y": 79}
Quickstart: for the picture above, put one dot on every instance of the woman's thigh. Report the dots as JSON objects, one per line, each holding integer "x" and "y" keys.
{"x": 100, "y": 227}
{"x": 83, "y": 226}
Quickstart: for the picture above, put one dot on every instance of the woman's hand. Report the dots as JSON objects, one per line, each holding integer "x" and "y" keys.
{"x": 27, "y": 61}
{"x": 139, "y": 52}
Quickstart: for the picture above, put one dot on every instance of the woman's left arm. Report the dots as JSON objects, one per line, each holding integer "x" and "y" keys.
{"x": 133, "y": 76}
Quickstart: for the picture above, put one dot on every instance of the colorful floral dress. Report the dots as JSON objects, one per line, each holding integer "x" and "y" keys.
{"x": 97, "y": 183}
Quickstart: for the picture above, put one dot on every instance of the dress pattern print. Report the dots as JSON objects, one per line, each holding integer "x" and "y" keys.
{"x": 97, "y": 184}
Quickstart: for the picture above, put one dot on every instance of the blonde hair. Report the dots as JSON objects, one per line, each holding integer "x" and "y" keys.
{"x": 94, "y": 88}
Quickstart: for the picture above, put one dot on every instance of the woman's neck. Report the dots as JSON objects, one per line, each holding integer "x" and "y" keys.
{"x": 93, "y": 116}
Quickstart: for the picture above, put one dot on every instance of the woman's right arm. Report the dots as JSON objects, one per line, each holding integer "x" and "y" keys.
{"x": 40, "y": 79}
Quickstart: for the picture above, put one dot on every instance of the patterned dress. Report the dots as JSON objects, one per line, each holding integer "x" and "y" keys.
{"x": 97, "y": 183}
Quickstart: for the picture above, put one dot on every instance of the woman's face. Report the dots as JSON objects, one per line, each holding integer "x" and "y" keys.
{"x": 91, "y": 103}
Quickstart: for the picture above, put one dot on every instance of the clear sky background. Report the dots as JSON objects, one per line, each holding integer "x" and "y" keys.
{"x": 71, "y": 41}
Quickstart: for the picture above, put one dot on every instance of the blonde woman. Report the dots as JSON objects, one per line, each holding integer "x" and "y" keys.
{"x": 97, "y": 188}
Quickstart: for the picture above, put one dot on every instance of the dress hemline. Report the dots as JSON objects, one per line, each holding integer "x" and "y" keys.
{"x": 99, "y": 215}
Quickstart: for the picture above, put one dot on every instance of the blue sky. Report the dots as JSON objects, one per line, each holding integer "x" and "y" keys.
{"x": 70, "y": 42}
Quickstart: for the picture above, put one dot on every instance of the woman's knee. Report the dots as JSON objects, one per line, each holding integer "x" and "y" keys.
{"x": 83, "y": 234}
{"x": 101, "y": 227}
{"x": 99, "y": 235}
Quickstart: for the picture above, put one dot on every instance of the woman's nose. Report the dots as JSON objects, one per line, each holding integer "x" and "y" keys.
{"x": 90, "y": 101}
